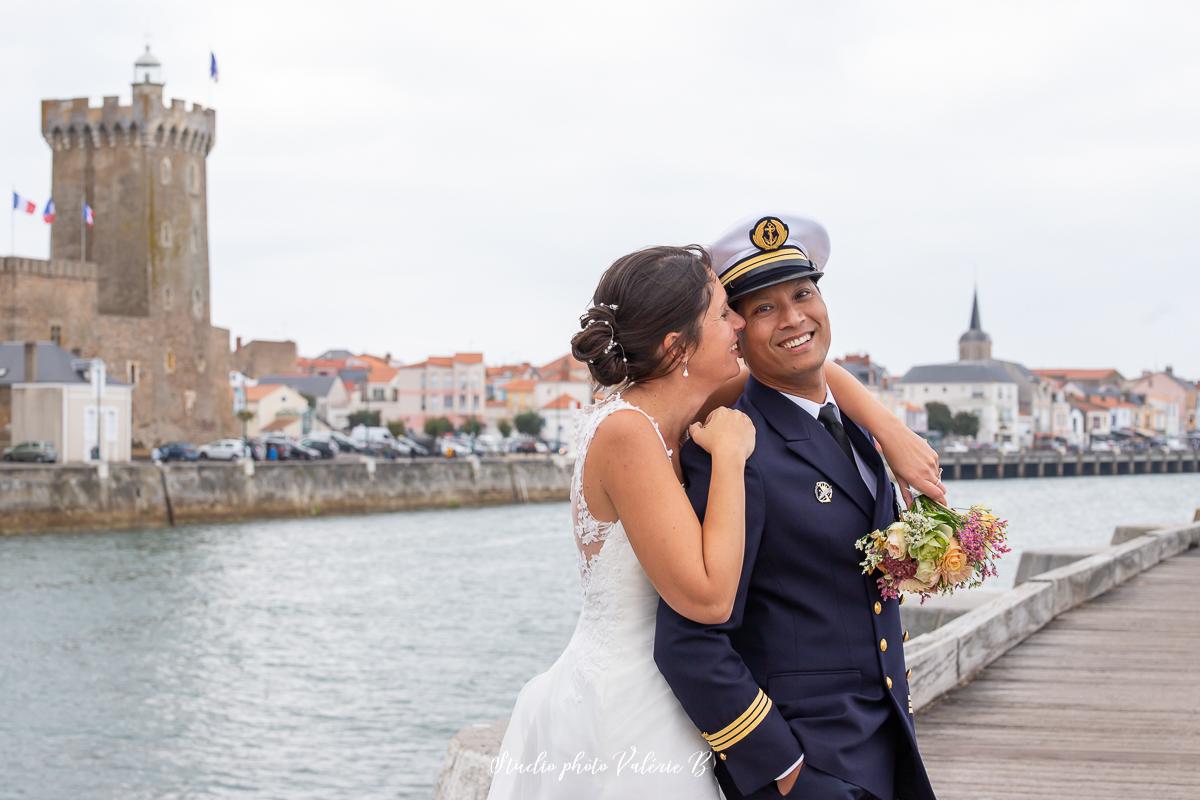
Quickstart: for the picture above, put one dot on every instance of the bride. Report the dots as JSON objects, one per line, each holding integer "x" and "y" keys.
{"x": 602, "y": 722}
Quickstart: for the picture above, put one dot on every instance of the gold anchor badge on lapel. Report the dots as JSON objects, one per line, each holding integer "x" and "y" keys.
{"x": 824, "y": 492}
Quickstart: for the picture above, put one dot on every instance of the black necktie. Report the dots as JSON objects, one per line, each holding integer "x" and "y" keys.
{"x": 829, "y": 418}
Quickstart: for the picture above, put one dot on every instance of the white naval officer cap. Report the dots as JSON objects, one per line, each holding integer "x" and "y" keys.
{"x": 763, "y": 251}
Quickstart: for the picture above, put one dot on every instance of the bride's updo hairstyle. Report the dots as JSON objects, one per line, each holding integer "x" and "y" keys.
{"x": 641, "y": 298}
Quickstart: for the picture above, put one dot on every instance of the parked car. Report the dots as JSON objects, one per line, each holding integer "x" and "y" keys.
{"x": 37, "y": 452}
{"x": 414, "y": 448}
{"x": 1103, "y": 446}
{"x": 955, "y": 447}
{"x": 223, "y": 450}
{"x": 326, "y": 447}
{"x": 175, "y": 451}
{"x": 289, "y": 450}
{"x": 452, "y": 447}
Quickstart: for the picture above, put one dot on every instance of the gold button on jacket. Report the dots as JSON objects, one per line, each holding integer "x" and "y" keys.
{"x": 878, "y": 607}
{"x": 883, "y": 645}
{"x": 889, "y": 681}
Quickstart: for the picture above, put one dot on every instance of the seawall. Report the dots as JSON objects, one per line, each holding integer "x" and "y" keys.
{"x": 88, "y": 497}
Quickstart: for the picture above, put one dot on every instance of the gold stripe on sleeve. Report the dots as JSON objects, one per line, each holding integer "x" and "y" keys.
{"x": 745, "y": 715}
{"x": 746, "y": 729}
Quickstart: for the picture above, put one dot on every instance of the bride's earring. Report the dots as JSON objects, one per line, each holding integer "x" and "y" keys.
{"x": 685, "y": 372}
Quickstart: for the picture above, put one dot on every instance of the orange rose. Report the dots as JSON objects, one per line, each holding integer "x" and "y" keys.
{"x": 954, "y": 565}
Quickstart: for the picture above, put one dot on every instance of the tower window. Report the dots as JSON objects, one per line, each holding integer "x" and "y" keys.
{"x": 193, "y": 178}
{"x": 164, "y": 171}
{"x": 56, "y": 334}
{"x": 132, "y": 368}
{"x": 164, "y": 234}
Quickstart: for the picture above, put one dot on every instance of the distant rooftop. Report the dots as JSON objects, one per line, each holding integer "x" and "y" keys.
{"x": 52, "y": 364}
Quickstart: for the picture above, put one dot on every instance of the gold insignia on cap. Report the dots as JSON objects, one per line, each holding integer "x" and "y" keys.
{"x": 769, "y": 233}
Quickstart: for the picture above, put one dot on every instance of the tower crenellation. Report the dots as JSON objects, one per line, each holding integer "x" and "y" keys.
{"x": 146, "y": 122}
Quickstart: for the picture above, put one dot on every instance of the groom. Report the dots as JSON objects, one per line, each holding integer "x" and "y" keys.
{"x": 804, "y": 690}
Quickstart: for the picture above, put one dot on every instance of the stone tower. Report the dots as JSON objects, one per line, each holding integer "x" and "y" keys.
{"x": 974, "y": 345}
{"x": 141, "y": 168}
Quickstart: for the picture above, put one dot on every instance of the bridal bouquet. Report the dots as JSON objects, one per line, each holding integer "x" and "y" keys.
{"x": 933, "y": 549}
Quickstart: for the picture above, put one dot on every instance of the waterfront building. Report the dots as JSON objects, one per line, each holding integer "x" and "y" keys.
{"x": 1172, "y": 401}
{"x": 269, "y": 402}
{"x": 263, "y": 357}
{"x": 331, "y": 397}
{"x": 49, "y": 395}
{"x": 441, "y": 386}
{"x": 1001, "y": 394}
{"x": 132, "y": 289}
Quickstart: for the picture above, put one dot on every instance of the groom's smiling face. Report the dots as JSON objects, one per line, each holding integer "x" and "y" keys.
{"x": 787, "y": 335}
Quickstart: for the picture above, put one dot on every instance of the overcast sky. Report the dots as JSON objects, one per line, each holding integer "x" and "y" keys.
{"x": 420, "y": 178}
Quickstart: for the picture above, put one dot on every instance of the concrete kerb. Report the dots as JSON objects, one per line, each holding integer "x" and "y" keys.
{"x": 467, "y": 769}
{"x": 955, "y": 653}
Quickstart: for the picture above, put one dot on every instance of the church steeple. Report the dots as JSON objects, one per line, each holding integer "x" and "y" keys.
{"x": 974, "y": 345}
{"x": 975, "y": 312}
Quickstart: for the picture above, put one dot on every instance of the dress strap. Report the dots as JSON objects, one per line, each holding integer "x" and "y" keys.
{"x": 621, "y": 403}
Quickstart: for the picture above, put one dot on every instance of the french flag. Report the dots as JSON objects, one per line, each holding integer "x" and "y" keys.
{"x": 88, "y": 216}
{"x": 48, "y": 213}
{"x": 23, "y": 204}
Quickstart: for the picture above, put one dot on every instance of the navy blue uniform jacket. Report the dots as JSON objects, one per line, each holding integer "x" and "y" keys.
{"x": 803, "y": 665}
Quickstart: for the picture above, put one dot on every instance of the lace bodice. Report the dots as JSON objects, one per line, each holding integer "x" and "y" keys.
{"x": 591, "y": 533}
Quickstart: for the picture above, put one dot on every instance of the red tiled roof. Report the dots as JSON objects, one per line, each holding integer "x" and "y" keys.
{"x": 563, "y": 401}
{"x": 501, "y": 370}
{"x": 311, "y": 365}
{"x": 564, "y": 368}
{"x": 469, "y": 358}
{"x": 519, "y": 385}
{"x": 1077, "y": 374}
{"x": 256, "y": 393}
{"x": 1085, "y": 405}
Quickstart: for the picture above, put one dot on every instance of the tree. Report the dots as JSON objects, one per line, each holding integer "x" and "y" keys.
{"x": 368, "y": 418}
{"x": 940, "y": 419}
{"x": 397, "y": 427}
{"x": 438, "y": 426}
{"x": 505, "y": 428}
{"x": 245, "y": 415}
{"x": 965, "y": 424}
{"x": 529, "y": 423}
{"x": 471, "y": 426}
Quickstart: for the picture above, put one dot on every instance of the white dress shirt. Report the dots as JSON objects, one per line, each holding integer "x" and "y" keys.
{"x": 867, "y": 475}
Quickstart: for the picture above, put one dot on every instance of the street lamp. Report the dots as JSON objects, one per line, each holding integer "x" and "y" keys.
{"x": 96, "y": 370}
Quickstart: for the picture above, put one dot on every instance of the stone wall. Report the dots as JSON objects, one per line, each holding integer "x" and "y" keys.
{"x": 43, "y": 498}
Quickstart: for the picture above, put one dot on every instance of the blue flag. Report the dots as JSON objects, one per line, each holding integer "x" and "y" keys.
{"x": 212, "y": 66}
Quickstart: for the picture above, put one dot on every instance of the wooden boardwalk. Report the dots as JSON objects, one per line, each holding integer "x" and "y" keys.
{"x": 1104, "y": 702}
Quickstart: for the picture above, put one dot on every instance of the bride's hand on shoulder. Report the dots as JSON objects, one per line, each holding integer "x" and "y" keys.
{"x": 725, "y": 433}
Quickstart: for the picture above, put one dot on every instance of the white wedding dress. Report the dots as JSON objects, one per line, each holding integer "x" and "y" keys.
{"x": 602, "y": 722}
